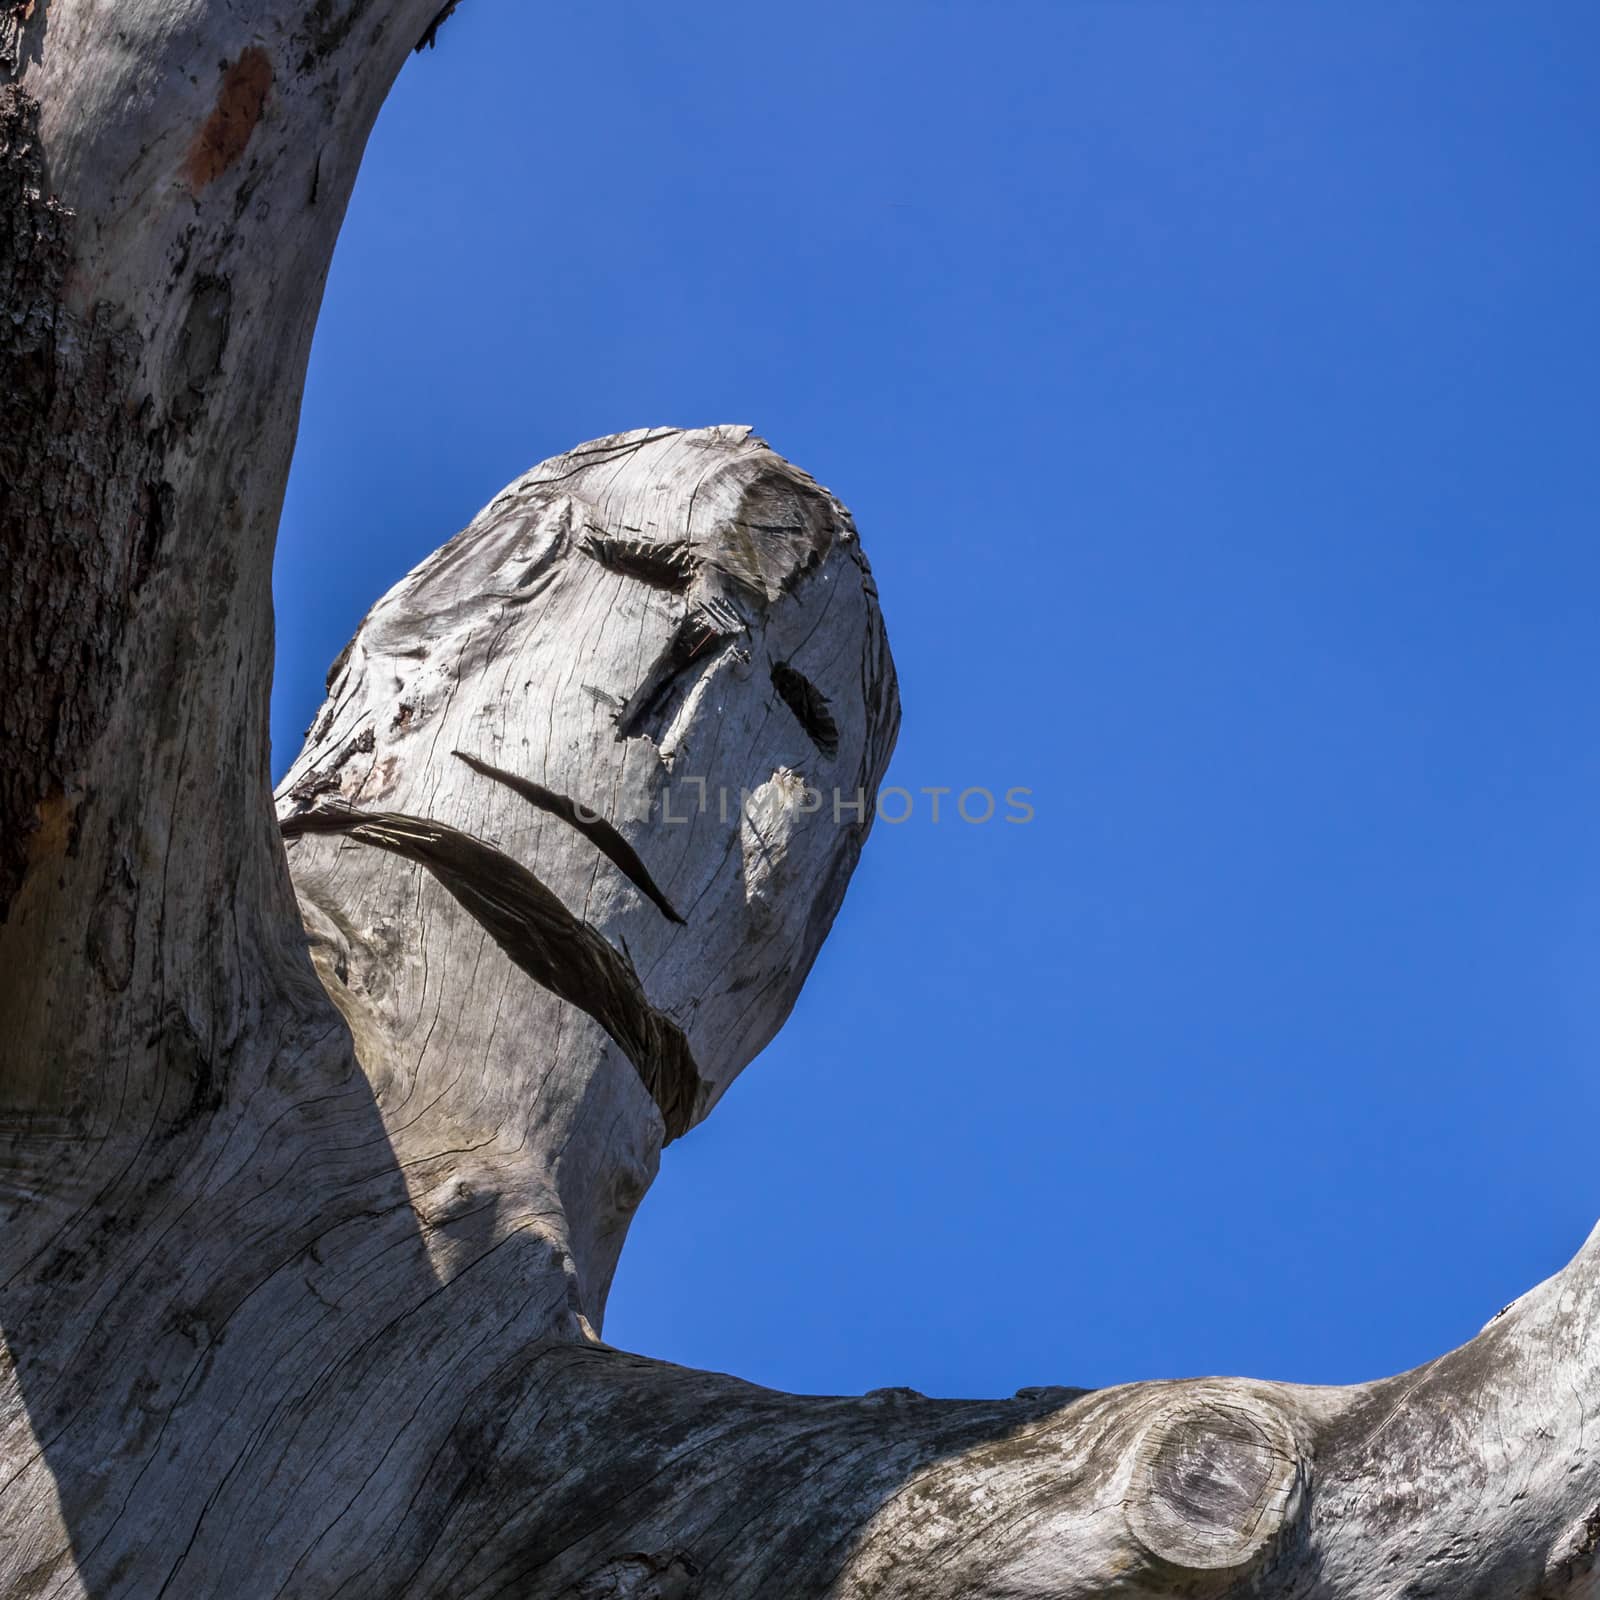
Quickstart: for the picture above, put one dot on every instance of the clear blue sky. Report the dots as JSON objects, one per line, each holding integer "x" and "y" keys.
{"x": 1215, "y": 386}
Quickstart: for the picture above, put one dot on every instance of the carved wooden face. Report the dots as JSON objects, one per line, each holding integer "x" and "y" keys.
{"x": 651, "y": 673}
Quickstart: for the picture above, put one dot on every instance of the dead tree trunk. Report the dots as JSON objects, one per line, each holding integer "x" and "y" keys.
{"x": 312, "y": 1189}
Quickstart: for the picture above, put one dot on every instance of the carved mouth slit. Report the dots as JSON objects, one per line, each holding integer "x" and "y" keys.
{"x": 810, "y": 707}
{"x": 556, "y": 949}
{"x": 596, "y": 830}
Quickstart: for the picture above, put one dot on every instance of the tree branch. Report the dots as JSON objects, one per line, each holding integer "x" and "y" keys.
{"x": 309, "y": 1219}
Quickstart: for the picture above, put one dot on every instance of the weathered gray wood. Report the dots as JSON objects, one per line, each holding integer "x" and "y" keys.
{"x": 516, "y": 659}
{"x": 312, "y": 1190}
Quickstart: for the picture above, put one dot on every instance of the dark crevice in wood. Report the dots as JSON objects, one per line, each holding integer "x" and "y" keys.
{"x": 669, "y": 1576}
{"x": 430, "y": 34}
{"x": 330, "y": 777}
{"x": 14, "y": 19}
{"x": 662, "y": 566}
{"x": 696, "y": 642}
{"x": 810, "y": 707}
{"x": 556, "y": 949}
{"x": 594, "y": 828}
{"x": 339, "y": 662}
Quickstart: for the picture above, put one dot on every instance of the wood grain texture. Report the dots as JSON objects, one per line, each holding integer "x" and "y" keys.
{"x": 523, "y": 650}
{"x": 537, "y": 933}
{"x": 312, "y": 1186}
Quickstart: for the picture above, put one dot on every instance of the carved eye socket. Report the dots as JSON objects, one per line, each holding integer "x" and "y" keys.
{"x": 810, "y": 707}
{"x": 662, "y": 566}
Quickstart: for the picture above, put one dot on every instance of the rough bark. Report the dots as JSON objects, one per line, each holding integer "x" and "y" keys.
{"x": 312, "y": 1190}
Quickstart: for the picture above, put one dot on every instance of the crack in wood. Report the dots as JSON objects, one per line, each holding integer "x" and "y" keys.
{"x": 331, "y": 777}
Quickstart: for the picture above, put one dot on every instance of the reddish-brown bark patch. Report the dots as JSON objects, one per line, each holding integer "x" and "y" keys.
{"x": 227, "y": 130}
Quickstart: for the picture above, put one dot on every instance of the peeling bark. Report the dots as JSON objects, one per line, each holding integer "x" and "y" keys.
{"x": 321, "y": 1126}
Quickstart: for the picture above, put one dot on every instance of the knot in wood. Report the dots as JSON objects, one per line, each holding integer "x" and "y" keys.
{"x": 1217, "y": 1474}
